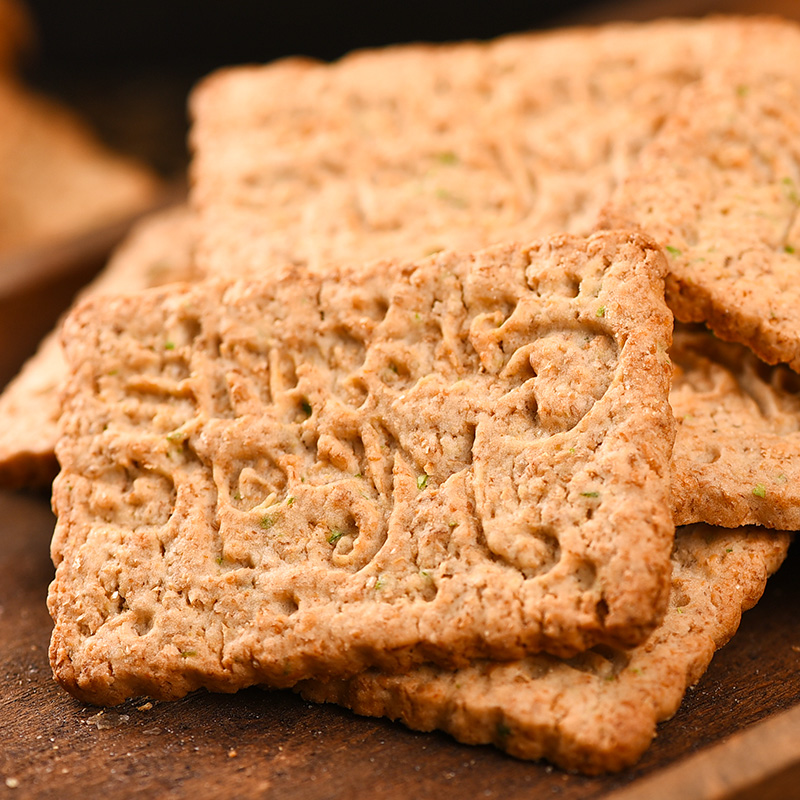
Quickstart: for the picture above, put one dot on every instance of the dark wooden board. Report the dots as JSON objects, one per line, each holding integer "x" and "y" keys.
{"x": 261, "y": 743}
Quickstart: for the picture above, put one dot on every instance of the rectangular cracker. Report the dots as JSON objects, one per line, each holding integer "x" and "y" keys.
{"x": 719, "y": 188}
{"x": 737, "y": 449}
{"x": 408, "y": 150}
{"x": 305, "y": 476}
{"x": 598, "y": 711}
{"x": 158, "y": 250}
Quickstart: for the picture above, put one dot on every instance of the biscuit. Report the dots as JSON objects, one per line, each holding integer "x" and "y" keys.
{"x": 596, "y": 712}
{"x": 156, "y": 251}
{"x": 737, "y": 450}
{"x": 404, "y": 151}
{"x": 719, "y": 188}
{"x": 304, "y": 476}
{"x": 56, "y": 179}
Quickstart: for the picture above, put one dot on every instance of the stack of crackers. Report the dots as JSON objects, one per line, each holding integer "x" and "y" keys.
{"x": 413, "y": 430}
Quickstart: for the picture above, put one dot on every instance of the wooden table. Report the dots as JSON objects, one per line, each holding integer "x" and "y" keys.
{"x": 261, "y": 743}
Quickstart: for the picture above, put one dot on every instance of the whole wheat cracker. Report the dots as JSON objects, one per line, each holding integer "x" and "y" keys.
{"x": 56, "y": 178}
{"x": 737, "y": 450}
{"x": 407, "y": 150}
{"x": 719, "y": 187}
{"x": 268, "y": 481}
{"x": 157, "y": 250}
{"x": 598, "y": 711}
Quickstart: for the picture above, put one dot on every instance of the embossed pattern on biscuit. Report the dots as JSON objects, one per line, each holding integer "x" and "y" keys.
{"x": 737, "y": 451}
{"x": 265, "y": 481}
{"x": 409, "y": 150}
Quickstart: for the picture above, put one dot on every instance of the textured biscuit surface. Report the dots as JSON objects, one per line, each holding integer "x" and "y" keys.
{"x": 268, "y": 481}
{"x": 596, "y": 712}
{"x": 157, "y": 251}
{"x": 408, "y": 150}
{"x": 719, "y": 187}
{"x": 737, "y": 450}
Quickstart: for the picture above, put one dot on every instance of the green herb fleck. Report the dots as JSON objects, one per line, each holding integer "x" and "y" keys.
{"x": 357, "y": 475}
{"x": 452, "y": 523}
{"x": 782, "y": 478}
{"x": 453, "y": 199}
{"x": 335, "y": 535}
{"x": 759, "y": 490}
{"x": 503, "y": 731}
{"x": 601, "y": 312}
{"x": 679, "y": 609}
{"x": 306, "y": 406}
{"x": 673, "y": 250}
{"x": 188, "y": 653}
{"x": 113, "y": 371}
{"x": 290, "y": 500}
{"x": 237, "y": 496}
{"x": 268, "y": 521}
{"x": 219, "y": 560}
{"x": 177, "y": 436}
{"x": 379, "y": 583}
{"x": 169, "y": 345}
{"x": 417, "y": 316}
{"x": 728, "y": 549}
{"x": 742, "y": 90}
{"x": 791, "y": 190}
{"x": 422, "y": 481}
{"x": 572, "y": 450}
{"x": 787, "y": 248}
{"x": 447, "y": 157}
{"x": 590, "y": 494}
{"x": 636, "y": 670}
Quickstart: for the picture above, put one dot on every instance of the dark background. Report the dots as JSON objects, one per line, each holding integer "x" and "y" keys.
{"x": 204, "y": 33}
{"x": 128, "y": 65}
